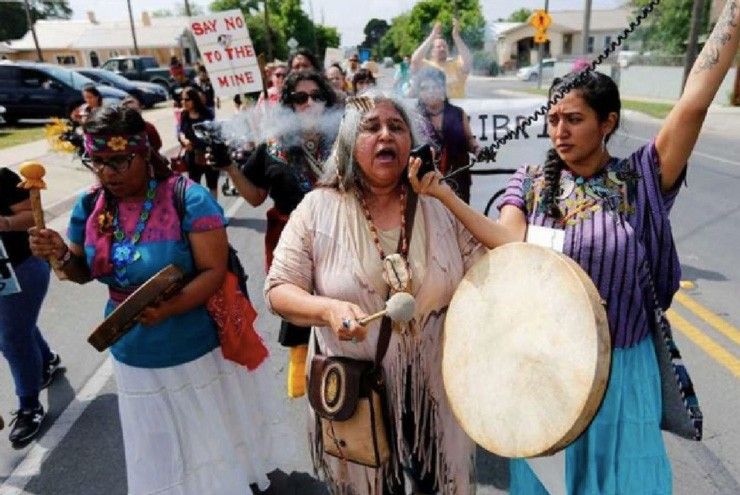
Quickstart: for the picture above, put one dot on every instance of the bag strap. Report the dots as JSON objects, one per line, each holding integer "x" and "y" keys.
{"x": 386, "y": 329}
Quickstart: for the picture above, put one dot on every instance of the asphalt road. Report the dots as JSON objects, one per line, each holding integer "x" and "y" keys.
{"x": 81, "y": 452}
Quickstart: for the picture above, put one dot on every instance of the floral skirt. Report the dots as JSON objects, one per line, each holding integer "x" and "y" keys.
{"x": 622, "y": 451}
{"x": 194, "y": 428}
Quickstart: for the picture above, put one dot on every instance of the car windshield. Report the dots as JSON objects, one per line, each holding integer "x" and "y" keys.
{"x": 74, "y": 79}
{"x": 112, "y": 77}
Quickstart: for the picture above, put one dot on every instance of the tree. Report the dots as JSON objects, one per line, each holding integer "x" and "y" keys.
{"x": 374, "y": 31}
{"x": 13, "y": 14}
{"x": 520, "y": 15}
{"x": 408, "y": 30}
{"x": 667, "y": 28}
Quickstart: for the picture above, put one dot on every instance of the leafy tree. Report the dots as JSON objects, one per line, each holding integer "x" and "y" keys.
{"x": 408, "y": 30}
{"x": 667, "y": 28}
{"x": 520, "y": 15}
{"x": 13, "y": 14}
{"x": 374, "y": 31}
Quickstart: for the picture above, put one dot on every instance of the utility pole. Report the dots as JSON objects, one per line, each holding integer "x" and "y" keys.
{"x": 692, "y": 46}
{"x": 268, "y": 32}
{"x": 313, "y": 30}
{"x": 33, "y": 31}
{"x": 586, "y": 26}
{"x": 187, "y": 9}
{"x": 133, "y": 30}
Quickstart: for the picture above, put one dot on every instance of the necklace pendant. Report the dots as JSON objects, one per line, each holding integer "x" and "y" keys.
{"x": 397, "y": 273}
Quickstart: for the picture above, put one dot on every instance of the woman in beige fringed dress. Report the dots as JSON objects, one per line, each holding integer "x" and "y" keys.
{"x": 327, "y": 272}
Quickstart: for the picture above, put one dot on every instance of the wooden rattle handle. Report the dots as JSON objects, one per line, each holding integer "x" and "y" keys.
{"x": 364, "y": 321}
{"x": 38, "y": 210}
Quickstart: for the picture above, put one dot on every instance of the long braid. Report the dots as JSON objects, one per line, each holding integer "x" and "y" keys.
{"x": 553, "y": 166}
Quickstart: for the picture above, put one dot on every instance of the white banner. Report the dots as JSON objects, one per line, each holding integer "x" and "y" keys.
{"x": 227, "y": 52}
{"x": 491, "y": 119}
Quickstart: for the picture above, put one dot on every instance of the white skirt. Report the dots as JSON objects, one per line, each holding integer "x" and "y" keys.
{"x": 195, "y": 428}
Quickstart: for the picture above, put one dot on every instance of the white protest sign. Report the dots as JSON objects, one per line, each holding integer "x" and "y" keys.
{"x": 228, "y": 52}
{"x": 333, "y": 56}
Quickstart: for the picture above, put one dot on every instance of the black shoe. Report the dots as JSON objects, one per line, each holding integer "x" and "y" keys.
{"x": 50, "y": 369}
{"x": 26, "y": 424}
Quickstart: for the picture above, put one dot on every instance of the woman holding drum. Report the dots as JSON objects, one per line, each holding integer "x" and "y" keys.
{"x": 611, "y": 217}
{"x": 190, "y": 419}
{"x": 328, "y": 272}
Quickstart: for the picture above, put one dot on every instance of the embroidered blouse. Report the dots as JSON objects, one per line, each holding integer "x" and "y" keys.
{"x": 617, "y": 229}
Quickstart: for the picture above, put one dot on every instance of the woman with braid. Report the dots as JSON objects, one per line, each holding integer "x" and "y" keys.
{"x": 614, "y": 214}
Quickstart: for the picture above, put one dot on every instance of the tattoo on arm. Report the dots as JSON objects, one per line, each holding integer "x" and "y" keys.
{"x": 721, "y": 35}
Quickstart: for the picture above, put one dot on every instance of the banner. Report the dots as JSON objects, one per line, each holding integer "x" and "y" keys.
{"x": 333, "y": 56}
{"x": 227, "y": 52}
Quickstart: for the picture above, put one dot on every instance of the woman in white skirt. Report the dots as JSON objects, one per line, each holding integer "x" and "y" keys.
{"x": 190, "y": 419}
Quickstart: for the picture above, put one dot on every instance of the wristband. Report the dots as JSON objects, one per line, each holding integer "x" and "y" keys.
{"x": 65, "y": 259}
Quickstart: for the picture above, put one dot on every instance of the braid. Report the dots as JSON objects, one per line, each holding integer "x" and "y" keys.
{"x": 553, "y": 166}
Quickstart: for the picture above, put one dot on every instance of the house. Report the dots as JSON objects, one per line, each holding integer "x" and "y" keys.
{"x": 514, "y": 46}
{"x": 89, "y": 43}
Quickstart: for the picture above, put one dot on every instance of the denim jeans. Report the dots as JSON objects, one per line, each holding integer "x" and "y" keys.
{"x": 21, "y": 342}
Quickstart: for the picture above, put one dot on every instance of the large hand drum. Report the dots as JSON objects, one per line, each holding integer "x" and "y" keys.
{"x": 526, "y": 351}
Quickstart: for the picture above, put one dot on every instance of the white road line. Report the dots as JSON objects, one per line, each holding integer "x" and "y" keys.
{"x": 695, "y": 153}
{"x": 30, "y": 466}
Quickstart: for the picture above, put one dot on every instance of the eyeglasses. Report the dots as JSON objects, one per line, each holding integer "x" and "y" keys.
{"x": 119, "y": 164}
{"x": 301, "y": 97}
{"x": 279, "y": 74}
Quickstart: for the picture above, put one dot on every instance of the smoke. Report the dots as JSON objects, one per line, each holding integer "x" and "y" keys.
{"x": 258, "y": 124}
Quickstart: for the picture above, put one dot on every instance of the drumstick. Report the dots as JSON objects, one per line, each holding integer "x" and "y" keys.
{"x": 399, "y": 308}
{"x": 33, "y": 181}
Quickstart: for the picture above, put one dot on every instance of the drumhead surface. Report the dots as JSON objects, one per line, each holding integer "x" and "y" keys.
{"x": 526, "y": 351}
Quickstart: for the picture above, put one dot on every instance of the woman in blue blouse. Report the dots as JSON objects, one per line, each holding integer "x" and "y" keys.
{"x": 189, "y": 418}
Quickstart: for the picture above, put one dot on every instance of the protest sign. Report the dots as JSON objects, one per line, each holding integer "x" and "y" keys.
{"x": 227, "y": 52}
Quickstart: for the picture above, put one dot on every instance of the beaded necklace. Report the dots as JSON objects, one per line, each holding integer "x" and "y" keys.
{"x": 396, "y": 269}
{"x": 404, "y": 251}
{"x": 124, "y": 250}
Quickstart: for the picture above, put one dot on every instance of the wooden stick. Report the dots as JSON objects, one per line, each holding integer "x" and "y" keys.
{"x": 364, "y": 321}
{"x": 33, "y": 181}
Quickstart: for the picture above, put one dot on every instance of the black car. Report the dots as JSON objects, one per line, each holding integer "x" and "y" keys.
{"x": 40, "y": 91}
{"x": 148, "y": 94}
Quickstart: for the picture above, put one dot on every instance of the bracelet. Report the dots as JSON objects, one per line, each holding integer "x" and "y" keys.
{"x": 65, "y": 259}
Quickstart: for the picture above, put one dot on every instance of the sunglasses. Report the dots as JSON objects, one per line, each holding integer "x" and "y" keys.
{"x": 119, "y": 164}
{"x": 301, "y": 97}
{"x": 279, "y": 74}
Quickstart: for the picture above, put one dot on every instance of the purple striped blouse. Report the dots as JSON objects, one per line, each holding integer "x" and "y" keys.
{"x": 617, "y": 229}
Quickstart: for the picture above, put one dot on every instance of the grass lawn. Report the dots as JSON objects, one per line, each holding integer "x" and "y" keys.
{"x": 655, "y": 109}
{"x": 11, "y": 136}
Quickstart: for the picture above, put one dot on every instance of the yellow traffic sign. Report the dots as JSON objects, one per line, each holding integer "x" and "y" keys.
{"x": 540, "y": 20}
{"x": 540, "y": 37}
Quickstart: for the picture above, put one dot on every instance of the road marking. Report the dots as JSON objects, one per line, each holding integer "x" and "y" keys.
{"x": 234, "y": 208}
{"x": 30, "y": 466}
{"x": 709, "y": 317}
{"x": 716, "y": 351}
{"x": 694, "y": 153}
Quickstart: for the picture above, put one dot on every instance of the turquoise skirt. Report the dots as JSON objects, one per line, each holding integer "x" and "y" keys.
{"x": 622, "y": 451}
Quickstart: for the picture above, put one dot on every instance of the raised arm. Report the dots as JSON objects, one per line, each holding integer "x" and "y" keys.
{"x": 461, "y": 47}
{"x": 417, "y": 58}
{"x": 677, "y": 137}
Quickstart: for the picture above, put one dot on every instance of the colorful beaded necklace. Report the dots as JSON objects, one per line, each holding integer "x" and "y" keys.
{"x": 124, "y": 250}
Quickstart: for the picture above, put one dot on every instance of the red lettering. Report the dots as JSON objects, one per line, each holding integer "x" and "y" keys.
{"x": 233, "y": 23}
{"x": 205, "y": 27}
{"x": 223, "y": 81}
{"x": 240, "y": 79}
{"x": 244, "y": 51}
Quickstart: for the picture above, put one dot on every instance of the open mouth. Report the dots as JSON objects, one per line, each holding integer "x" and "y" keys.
{"x": 386, "y": 154}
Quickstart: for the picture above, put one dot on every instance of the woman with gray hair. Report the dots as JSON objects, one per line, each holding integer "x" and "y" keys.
{"x": 330, "y": 270}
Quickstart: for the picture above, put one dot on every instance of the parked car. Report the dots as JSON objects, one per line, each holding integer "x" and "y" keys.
{"x": 148, "y": 94}
{"x": 626, "y": 57}
{"x": 531, "y": 72}
{"x": 138, "y": 68}
{"x": 2, "y": 111}
{"x": 39, "y": 91}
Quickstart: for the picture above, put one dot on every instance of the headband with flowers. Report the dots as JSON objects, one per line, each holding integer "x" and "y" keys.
{"x": 116, "y": 143}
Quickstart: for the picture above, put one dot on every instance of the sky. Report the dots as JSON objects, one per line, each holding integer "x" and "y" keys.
{"x": 338, "y": 13}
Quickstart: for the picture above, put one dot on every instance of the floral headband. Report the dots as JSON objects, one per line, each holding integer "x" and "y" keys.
{"x": 116, "y": 143}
